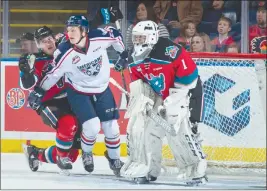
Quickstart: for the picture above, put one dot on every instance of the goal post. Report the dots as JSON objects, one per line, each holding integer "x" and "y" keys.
{"x": 233, "y": 125}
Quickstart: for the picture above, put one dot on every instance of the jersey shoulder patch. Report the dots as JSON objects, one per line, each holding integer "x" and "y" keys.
{"x": 166, "y": 50}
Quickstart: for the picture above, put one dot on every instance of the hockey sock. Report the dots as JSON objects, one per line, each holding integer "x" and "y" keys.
{"x": 73, "y": 155}
{"x": 87, "y": 143}
{"x": 48, "y": 155}
{"x": 66, "y": 129}
{"x": 113, "y": 147}
{"x": 112, "y": 138}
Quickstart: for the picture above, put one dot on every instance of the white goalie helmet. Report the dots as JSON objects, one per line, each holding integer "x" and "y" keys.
{"x": 145, "y": 35}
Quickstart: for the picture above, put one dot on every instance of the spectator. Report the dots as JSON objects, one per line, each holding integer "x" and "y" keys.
{"x": 257, "y": 32}
{"x": 220, "y": 43}
{"x": 145, "y": 12}
{"x": 216, "y": 8}
{"x": 178, "y": 12}
{"x": 187, "y": 32}
{"x": 232, "y": 48}
{"x": 27, "y": 43}
{"x": 200, "y": 43}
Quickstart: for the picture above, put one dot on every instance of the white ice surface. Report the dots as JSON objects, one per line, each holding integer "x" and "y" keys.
{"x": 15, "y": 174}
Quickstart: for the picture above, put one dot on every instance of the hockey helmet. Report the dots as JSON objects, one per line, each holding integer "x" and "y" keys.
{"x": 79, "y": 21}
{"x": 42, "y": 32}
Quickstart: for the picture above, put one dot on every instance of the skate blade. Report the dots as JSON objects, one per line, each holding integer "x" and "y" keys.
{"x": 117, "y": 173}
{"x": 24, "y": 147}
{"x": 198, "y": 182}
{"x": 64, "y": 172}
{"x": 141, "y": 180}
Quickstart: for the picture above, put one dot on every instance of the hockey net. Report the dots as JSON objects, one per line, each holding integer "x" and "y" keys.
{"x": 233, "y": 125}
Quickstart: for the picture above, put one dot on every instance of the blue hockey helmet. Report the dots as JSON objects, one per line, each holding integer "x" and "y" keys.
{"x": 79, "y": 21}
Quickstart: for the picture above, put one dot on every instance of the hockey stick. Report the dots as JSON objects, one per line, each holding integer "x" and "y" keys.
{"x": 153, "y": 115}
{"x": 117, "y": 22}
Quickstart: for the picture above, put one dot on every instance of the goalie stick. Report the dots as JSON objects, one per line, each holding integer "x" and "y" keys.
{"x": 118, "y": 26}
{"x": 153, "y": 115}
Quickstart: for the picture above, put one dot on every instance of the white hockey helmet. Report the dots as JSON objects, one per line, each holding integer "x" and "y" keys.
{"x": 145, "y": 35}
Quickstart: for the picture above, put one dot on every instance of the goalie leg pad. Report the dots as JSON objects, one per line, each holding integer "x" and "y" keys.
{"x": 187, "y": 152}
{"x": 145, "y": 153}
{"x": 144, "y": 143}
{"x": 142, "y": 96}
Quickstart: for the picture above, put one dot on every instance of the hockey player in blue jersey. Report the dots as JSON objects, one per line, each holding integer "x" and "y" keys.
{"x": 84, "y": 63}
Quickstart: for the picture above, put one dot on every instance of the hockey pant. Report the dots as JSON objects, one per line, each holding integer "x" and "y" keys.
{"x": 93, "y": 112}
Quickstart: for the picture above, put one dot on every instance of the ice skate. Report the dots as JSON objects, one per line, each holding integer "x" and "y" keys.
{"x": 198, "y": 181}
{"x": 64, "y": 163}
{"x": 31, "y": 153}
{"x": 88, "y": 161}
{"x": 114, "y": 164}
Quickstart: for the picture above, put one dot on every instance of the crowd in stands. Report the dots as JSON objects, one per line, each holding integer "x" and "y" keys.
{"x": 202, "y": 26}
{"x": 199, "y": 26}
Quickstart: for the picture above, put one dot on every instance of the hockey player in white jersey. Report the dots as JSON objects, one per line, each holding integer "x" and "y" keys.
{"x": 163, "y": 74}
{"x": 84, "y": 63}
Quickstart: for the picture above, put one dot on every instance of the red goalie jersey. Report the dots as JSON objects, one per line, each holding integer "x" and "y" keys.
{"x": 166, "y": 65}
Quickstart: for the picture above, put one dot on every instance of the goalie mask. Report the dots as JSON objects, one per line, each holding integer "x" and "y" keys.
{"x": 144, "y": 36}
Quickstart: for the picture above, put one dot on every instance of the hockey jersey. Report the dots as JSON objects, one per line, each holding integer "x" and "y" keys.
{"x": 41, "y": 65}
{"x": 167, "y": 65}
{"x": 86, "y": 71}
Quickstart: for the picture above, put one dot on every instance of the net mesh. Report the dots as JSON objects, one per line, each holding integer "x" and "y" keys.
{"x": 233, "y": 126}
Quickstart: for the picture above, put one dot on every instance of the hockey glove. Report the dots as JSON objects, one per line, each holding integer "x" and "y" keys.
{"x": 105, "y": 15}
{"x": 115, "y": 14}
{"x": 121, "y": 64}
{"x": 26, "y": 63}
{"x": 35, "y": 99}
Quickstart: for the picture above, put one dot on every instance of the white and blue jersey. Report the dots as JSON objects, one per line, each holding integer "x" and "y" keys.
{"x": 86, "y": 71}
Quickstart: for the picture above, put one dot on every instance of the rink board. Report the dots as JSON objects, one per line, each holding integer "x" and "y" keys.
{"x": 19, "y": 124}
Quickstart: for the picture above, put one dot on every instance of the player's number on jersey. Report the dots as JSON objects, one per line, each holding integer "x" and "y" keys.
{"x": 184, "y": 65}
